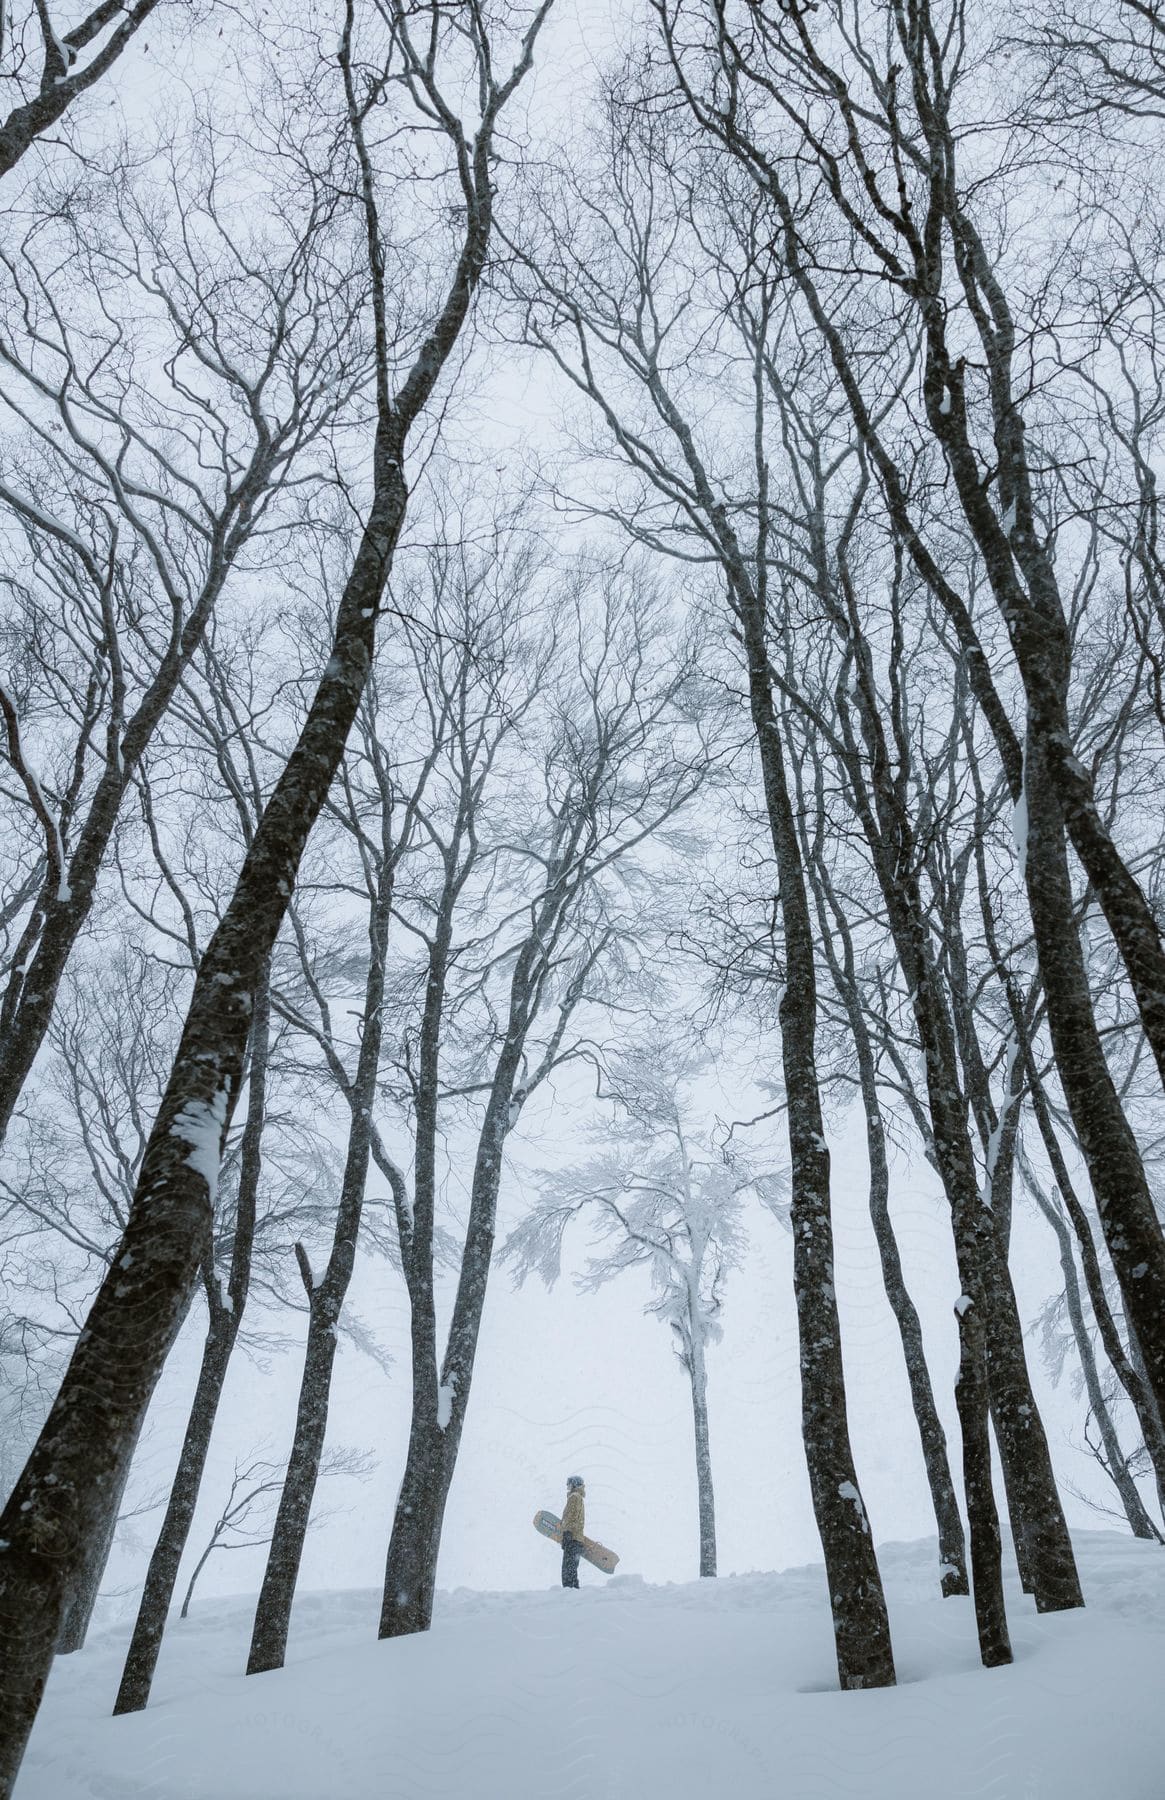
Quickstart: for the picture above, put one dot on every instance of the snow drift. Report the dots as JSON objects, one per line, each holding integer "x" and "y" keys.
{"x": 627, "y": 1691}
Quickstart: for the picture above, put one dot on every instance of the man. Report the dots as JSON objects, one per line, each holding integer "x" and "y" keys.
{"x": 573, "y": 1522}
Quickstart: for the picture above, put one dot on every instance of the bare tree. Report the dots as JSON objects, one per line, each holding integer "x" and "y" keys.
{"x": 611, "y": 307}
{"x": 617, "y": 744}
{"x": 211, "y": 714}
{"x": 660, "y": 1198}
{"x": 53, "y": 71}
{"x": 1092, "y": 60}
{"x": 242, "y": 1526}
{"x": 886, "y": 154}
{"x": 63, "y": 1495}
{"x": 973, "y": 1400}
{"x": 67, "y": 1192}
{"x": 382, "y": 817}
{"x": 225, "y": 1317}
{"x": 113, "y": 1063}
{"x": 837, "y": 943}
{"x": 1109, "y": 1453}
{"x": 174, "y": 380}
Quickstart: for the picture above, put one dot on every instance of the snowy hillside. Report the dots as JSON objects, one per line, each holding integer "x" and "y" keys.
{"x": 627, "y": 1692}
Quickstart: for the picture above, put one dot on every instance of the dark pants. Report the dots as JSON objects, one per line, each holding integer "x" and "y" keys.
{"x": 571, "y": 1551}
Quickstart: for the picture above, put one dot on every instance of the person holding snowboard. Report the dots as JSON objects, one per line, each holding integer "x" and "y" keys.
{"x": 573, "y": 1521}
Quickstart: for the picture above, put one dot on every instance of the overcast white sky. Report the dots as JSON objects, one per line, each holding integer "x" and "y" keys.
{"x": 568, "y": 1383}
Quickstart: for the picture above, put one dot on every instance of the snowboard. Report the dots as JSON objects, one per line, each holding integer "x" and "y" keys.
{"x": 550, "y": 1525}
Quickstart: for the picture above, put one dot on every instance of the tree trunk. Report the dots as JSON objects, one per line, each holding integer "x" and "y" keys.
{"x": 75, "y": 1471}
{"x": 410, "y": 1575}
{"x": 861, "y": 1627}
{"x": 77, "y": 1468}
{"x": 142, "y": 1657}
{"x": 226, "y": 1318}
{"x": 1025, "y": 1068}
{"x": 438, "y": 1412}
{"x": 273, "y": 1613}
{"x": 986, "y": 1549}
{"x": 79, "y": 1607}
{"x": 998, "y": 1133}
{"x": 706, "y": 1497}
{"x": 1057, "y": 792}
{"x": 194, "y": 1574}
{"x": 835, "y": 929}
{"x": 1131, "y": 1228}
{"x": 1126, "y": 1365}
{"x": 952, "y": 1548}
{"x": 1043, "y": 1545}
{"x": 1140, "y": 1524}
{"x": 1023, "y": 580}
{"x": 1029, "y": 1576}
{"x": 1124, "y": 1203}
{"x": 325, "y": 1304}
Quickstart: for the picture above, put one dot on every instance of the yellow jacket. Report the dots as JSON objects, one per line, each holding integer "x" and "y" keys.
{"x": 572, "y": 1513}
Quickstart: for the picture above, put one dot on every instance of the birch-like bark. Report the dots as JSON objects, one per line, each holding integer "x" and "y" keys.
{"x": 705, "y": 1494}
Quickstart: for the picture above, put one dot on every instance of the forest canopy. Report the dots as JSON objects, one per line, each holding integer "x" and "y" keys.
{"x": 582, "y": 643}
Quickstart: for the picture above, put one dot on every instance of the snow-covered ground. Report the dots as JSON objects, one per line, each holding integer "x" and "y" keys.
{"x": 628, "y": 1692}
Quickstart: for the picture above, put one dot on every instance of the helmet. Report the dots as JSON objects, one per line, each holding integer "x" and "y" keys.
{"x": 573, "y": 1481}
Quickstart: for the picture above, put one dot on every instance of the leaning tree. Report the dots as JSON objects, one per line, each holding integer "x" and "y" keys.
{"x": 389, "y": 78}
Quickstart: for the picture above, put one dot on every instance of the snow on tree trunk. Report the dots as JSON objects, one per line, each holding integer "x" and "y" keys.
{"x": 706, "y": 1497}
{"x": 77, "y": 1467}
{"x": 225, "y": 1322}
